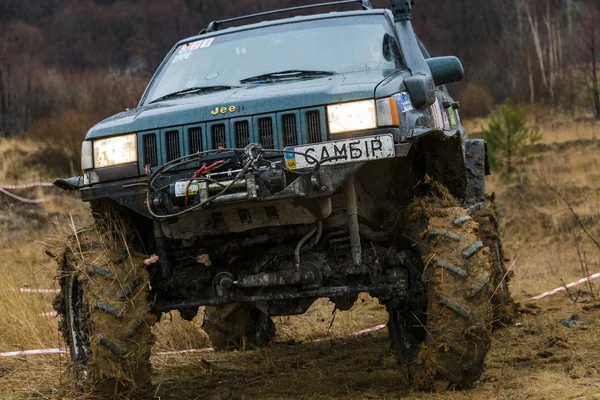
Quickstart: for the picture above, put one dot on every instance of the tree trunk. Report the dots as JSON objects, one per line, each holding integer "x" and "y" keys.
{"x": 551, "y": 52}
{"x": 535, "y": 35}
{"x": 3, "y": 109}
{"x": 595, "y": 90}
{"x": 531, "y": 82}
{"x": 509, "y": 166}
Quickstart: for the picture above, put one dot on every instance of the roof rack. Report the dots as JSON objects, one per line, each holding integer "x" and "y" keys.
{"x": 214, "y": 25}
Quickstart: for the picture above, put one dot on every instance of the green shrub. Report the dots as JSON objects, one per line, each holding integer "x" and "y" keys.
{"x": 509, "y": 140}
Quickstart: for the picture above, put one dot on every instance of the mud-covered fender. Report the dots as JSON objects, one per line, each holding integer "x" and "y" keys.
{"x": 478, "y": 166}
{"x": 445, "y": 161}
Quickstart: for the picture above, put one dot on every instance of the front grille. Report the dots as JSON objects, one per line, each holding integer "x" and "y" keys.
{"x": 219, "y": 140}
{"x": 150, "y": 150}
{"x": 242, "y": 133}
{"x": 265, "y": 133}
{"x": 289, "y": 130}
{"x": 313, "y": 124}
{"x": 172, "y": 145}
{"x": 276, "y": 130}
{"x": 195, "y": 140}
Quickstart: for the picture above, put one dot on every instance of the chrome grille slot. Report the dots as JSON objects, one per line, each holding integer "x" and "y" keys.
{"x": 265, "y": 133}
{"x": 195, "y": 140}
{"x": 172, "y": 145}
{"x": 313, "y": 126}
{"x": 242, "y": 133}
{"x": 289, "y": 130}
{"x": 150, "y": 150}
{"x": 219, "y": 139}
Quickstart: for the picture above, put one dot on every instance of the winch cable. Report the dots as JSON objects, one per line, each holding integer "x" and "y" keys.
{"x": 254, "y": 153}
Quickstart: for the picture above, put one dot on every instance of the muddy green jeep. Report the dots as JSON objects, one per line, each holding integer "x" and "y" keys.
{"x": 270, "y": 165}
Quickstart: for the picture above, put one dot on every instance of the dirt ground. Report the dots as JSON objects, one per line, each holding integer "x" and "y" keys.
{"x": 537, "y": 357}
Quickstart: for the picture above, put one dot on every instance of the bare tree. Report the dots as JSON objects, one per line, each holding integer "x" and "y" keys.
{"x": 589, "y": 47}
{"x": 548, "y": 51}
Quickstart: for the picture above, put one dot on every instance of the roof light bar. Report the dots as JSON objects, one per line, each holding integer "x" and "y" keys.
{"x": 214, "y": 26}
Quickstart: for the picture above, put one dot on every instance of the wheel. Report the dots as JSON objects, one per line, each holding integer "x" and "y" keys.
{"x": 105, "y": 312}
{"x": 443, "y": 332}
{"x": 237, "y": 326}
{"x": 487, "y": 218}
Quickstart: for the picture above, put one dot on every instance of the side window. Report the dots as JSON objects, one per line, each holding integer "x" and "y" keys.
{"x": 391, "y": 51}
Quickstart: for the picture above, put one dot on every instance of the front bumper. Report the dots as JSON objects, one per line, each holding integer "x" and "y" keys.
{"x": 270, "y": 196}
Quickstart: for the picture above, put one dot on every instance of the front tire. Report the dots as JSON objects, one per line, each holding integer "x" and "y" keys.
{"x": 448, "y": 335}
{"x": 105, "y": 312}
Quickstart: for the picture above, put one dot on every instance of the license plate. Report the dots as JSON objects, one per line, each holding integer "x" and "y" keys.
{"x": 344, "y": 151}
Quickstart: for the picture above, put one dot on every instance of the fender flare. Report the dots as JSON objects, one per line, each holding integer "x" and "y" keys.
{"x": 478, "y": 167}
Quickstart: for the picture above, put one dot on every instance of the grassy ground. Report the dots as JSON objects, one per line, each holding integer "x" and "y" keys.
{"x": 538, "y": 358}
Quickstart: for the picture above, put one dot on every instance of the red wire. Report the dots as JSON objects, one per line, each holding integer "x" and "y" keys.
{"x": 204, "y": 169}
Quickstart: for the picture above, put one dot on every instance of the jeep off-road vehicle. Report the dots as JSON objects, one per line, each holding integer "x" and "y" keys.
{"x": 273, "y": 164}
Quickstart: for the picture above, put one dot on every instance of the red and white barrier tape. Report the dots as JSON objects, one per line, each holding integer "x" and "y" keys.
{"x": 162, "y": 353}
{"x": 373, "y": 329}
{"x": 3, "y": 189}
{"x": 51, "y": 314}
{"x": 21, "y": 199}
{"x": 205, "y": 350}
{"x": 33, "y": 352}
{"x": 31, "y": 290}
{"x": 27, "y": 185}
{"x": 567, "y": 286}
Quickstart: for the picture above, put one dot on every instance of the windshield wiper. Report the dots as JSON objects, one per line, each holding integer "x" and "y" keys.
{"x": 192, "y": 90}
{"x": 289, "y": 74}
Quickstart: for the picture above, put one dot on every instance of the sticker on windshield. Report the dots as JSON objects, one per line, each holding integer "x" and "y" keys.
{"x": 405, "y": 103}
{"x": 207, "y": 42}
{"x": 196, "y": 45}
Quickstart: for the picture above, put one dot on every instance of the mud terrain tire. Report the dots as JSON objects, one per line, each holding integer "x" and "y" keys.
{"x": 238, "y": 326}
{"x": 105, "y": 314}
{"x": 487, "y": 218}
{"x": 449, "y": 336}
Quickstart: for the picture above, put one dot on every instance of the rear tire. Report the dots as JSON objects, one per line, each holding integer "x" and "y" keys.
{"x": 448, "y": 334}
{"x": 502, "y": 301}
{"x": 105, "y": 312}
{"x": 238, "y": 326}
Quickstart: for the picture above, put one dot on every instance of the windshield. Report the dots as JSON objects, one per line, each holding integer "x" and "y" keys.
{"x": 335, "y": 45}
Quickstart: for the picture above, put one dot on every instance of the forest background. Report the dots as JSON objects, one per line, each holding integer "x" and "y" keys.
{"x": 67, "y": 64}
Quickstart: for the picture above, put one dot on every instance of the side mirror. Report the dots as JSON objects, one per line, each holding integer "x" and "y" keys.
{"x": 445, "y": 70}
{"x": 421, "y": 89}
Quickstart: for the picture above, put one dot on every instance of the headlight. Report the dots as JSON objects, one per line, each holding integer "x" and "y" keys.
{"x": 349, "y": 117}
{"x": 115, "y": 151}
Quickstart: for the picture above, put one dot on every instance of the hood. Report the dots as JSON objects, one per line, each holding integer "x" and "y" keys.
{"x": 250, "y": 100}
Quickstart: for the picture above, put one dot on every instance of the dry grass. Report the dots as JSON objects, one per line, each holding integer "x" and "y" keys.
{"x": 539, "y": 359}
